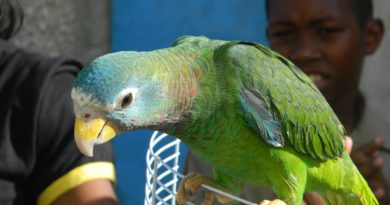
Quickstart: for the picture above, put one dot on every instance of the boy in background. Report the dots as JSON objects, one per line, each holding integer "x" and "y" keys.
{"x": 328, "y": 40}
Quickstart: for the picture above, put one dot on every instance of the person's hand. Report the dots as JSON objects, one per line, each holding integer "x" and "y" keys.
{"x": 369, "y": 163}
{"x": 348, "y": 144}
{"x": 312, "y": 198}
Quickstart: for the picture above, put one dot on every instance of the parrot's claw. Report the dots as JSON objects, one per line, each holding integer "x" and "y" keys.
{"x": 274, "y": 202}
{"x": 190, "y": 186}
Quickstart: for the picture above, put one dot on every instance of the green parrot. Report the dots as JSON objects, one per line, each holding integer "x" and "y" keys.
{"x": 245, "y": 110}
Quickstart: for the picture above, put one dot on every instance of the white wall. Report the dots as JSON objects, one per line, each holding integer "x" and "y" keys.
{"x": 376, "y": 75}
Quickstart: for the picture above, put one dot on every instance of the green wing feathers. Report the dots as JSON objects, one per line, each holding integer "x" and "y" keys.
{"x": 306, "y": 120}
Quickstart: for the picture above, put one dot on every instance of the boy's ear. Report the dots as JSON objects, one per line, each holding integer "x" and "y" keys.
{"x": 374, "y": 33}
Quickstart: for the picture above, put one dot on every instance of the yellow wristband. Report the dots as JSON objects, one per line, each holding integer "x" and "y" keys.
{"x": 75, "y": 177}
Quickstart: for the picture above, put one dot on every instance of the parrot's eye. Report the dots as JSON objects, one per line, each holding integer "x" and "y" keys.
{"x": 127, "y": 100}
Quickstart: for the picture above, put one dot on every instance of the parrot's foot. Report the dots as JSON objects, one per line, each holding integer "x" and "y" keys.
{"x": 190, "y": 186}
{"x": 274, "y": 202}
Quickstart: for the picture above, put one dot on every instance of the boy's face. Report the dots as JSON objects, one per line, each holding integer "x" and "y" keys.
{"x": 321, "y": 37}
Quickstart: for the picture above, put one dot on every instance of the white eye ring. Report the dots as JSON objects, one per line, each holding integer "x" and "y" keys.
{"x": 126, "y": 97}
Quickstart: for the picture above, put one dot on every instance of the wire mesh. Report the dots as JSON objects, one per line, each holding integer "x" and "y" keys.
{"x": 162, "y": 176}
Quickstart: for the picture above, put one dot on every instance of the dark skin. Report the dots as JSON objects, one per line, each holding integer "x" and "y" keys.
{"x": 94, "y": 192}
{"x": 325, "y": 40}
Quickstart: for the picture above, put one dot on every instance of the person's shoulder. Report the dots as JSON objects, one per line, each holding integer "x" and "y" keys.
{"x": 23, "y": 68}
{"x": 20, "y": 60}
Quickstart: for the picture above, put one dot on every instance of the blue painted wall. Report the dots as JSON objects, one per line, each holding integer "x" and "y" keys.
{"x": 151, "y": 24}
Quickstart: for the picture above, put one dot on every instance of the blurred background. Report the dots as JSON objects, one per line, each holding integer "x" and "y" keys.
{"x": 90, "y": 28}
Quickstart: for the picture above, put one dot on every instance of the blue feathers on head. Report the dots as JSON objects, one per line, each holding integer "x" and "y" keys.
{"x": 106, "y": 76}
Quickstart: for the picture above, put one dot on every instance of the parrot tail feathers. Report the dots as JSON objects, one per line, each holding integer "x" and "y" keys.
{"x": 334, "y": 197}
{"x": 355, "y": 192}
{"x": 362, "y": 190}
{"x": 365, "y": 194}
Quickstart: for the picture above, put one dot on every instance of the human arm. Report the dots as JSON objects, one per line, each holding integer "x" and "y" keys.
{"x": 96, "y": 192}
{"x": 63, "y": 174}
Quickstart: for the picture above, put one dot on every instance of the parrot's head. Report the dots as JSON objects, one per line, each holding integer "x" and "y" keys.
{"x": 119, "y": 92}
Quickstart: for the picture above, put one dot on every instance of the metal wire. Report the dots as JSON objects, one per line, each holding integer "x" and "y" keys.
{"x": 162, "y": 173}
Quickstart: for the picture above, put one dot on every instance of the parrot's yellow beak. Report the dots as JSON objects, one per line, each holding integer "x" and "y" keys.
{"x": 92, "y": 131}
